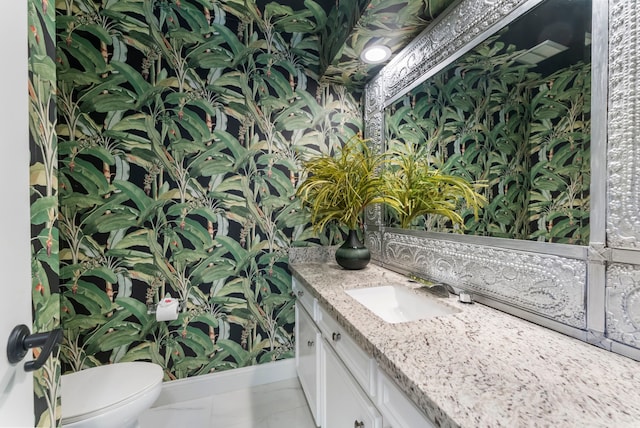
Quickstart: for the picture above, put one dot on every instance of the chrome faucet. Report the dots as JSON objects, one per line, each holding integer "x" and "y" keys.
{"x": 442, "y": 289}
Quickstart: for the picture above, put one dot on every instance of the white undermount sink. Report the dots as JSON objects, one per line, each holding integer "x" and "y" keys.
{"x": 397, "y": 303}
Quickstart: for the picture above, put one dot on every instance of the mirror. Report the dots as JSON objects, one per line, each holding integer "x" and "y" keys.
{"x": 512, "y": 112}
{"x": 580, "y": 290}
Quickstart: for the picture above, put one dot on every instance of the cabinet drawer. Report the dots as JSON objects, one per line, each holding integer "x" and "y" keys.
{"x": 305, "y": 298}
{"x": 397, "y": 409}
{"x": 361, "y": 366}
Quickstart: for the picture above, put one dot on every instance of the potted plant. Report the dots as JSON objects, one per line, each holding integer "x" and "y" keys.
{"x": 413, "y": 188}
{"x": 338, "y": 188}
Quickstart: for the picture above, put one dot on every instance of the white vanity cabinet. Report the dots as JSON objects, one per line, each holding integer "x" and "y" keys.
{"x": 343, "y": 385}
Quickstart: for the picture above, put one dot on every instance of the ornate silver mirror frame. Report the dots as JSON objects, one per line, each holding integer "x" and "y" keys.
{"x": 588, "y": 292}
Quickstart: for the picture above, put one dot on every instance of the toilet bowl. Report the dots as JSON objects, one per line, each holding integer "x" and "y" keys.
{"x": 110, "y": 396}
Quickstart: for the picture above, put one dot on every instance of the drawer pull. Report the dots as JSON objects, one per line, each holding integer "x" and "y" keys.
{"x": 310, "y": 343}
{"x": 336, "y": 336}
{"x": 300, "y": 293}
{"x": 358, "y": 424}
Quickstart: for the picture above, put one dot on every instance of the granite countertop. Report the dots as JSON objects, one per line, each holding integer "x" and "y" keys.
{"x": 481, "y": 367}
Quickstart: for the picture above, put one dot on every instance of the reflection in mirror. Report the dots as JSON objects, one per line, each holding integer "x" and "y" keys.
{"x": 514, "y": 112}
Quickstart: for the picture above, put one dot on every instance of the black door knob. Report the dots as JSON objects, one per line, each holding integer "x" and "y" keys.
{"x": 20, "y": 341}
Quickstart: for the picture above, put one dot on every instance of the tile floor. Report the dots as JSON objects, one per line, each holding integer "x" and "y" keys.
{"x": 273, "y": 405}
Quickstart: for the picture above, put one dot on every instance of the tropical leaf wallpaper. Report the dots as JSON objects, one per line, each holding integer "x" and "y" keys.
{"x": 44, "y": 201}
{"x": 526, "y": 135}
{"x": 182, "y": 126}
{"x": 356, "y": 24}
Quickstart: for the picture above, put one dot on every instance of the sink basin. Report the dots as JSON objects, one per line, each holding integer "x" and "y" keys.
{"x": 397, "y": 303}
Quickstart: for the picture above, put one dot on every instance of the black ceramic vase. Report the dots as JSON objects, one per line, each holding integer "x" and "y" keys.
{"x": 353, "y": 254}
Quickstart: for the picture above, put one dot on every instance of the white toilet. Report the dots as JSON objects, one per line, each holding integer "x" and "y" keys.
{"x": 110, "y": 396}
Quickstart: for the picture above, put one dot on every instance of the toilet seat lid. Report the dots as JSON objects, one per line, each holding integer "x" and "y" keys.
{"x": 87, "y": 392}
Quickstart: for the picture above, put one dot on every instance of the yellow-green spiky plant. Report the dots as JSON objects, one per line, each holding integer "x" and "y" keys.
{"x": 412, "y": 188}
{"x": 340, "y": 187}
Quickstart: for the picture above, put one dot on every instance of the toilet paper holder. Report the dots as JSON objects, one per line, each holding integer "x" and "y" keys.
{"x": 167, "y": 303}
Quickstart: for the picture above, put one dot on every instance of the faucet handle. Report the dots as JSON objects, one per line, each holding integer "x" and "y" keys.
{"x": 465, "y": 297}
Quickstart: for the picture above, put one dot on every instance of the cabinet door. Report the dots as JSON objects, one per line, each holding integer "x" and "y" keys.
{"x": 345, "y": 404}
{"x": 307, "y": 359}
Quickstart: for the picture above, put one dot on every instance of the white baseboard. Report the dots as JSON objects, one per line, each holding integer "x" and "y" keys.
{"x": 196, "y": 387}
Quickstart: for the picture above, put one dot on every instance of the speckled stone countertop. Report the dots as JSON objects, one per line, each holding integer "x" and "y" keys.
{"x": 481, "y": 367}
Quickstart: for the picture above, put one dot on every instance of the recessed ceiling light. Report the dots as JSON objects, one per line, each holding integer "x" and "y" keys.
{"x": 375, "y": 54}
{"x": 540, "y": 52}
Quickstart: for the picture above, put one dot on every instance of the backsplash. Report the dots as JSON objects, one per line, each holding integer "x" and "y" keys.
{"x": 182, "y": 128}
{"x": 323, "y": 254}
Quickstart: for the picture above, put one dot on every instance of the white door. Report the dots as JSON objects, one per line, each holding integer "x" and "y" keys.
{"x": 16, "y": 385}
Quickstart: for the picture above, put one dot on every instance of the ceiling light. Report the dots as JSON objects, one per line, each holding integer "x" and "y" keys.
{"x": 540, "y": 52}
{"x": 375, "y": 54}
